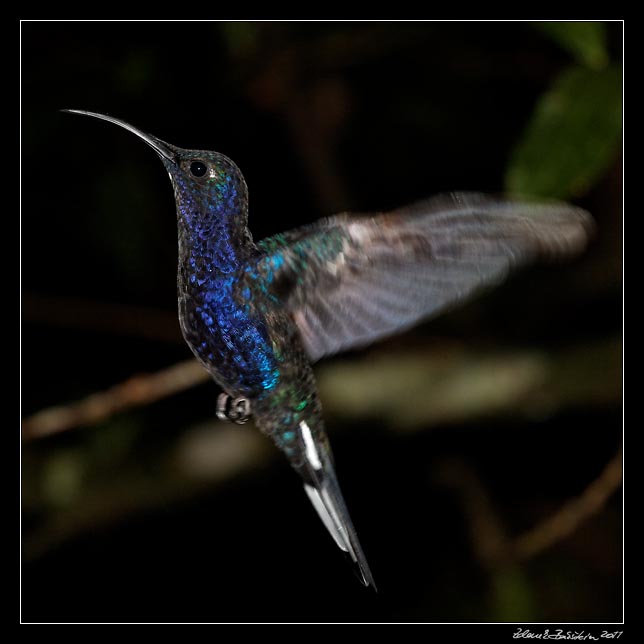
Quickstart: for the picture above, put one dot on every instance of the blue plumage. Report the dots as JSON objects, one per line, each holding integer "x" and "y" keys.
{"x": 257, "y": 315}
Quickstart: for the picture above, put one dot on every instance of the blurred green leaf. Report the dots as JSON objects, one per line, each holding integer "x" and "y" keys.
{"x": 241, "y": 38}
{"x": 512, "y": 596}
{"x": 124, "y": 228}
{"x": 112, "y": 441}
{"x": 63, "y": 477}
{"x": 586, "y": 41}
{"x": 572, "y": 136}
{"x": 135, "y": 73}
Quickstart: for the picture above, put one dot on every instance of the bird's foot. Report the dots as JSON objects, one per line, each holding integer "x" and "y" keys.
{"x": 236, "y": 410}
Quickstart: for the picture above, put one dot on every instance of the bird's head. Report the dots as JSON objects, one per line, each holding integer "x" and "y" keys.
{"x": 209, "y": 188}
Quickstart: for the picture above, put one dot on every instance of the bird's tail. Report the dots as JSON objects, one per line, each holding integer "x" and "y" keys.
{"x": 321, "y": 486}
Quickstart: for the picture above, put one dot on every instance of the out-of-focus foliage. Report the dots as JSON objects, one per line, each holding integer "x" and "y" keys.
{"x": 241, "y": 38}
{"x": 572, "y": 136}
{"x": 586, "y": 41}
{"x": 512, "y": 596}
{"x": 160, "y": 512}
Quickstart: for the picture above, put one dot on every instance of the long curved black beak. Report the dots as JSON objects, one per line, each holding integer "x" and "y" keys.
{"x": 164, "y": 150}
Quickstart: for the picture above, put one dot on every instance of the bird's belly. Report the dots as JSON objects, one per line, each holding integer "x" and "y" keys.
{"x": 232, "y": 343}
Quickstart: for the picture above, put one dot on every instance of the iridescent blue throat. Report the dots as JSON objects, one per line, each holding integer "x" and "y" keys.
{"x": 217, "y": 322}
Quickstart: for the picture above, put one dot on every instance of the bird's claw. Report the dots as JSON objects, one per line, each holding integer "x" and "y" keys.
{"x": 236, "y": 410}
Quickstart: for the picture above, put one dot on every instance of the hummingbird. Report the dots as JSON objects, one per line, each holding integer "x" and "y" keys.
{"x": 257, "y": 315}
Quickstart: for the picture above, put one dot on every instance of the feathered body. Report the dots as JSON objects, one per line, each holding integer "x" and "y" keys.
{"x": 257, "y": 315}
{"x": 228, "y": 312}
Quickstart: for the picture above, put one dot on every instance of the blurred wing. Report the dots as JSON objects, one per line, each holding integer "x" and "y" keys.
{"x": 351, "y": 280}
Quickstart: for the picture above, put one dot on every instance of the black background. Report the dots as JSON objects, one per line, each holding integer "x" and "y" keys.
{"x": 397, "y": 111}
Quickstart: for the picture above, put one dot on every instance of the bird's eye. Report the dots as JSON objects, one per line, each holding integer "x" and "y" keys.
{"x": 198, "y": 168}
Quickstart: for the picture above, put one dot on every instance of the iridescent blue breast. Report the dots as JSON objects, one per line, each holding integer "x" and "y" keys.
{"x": 230, "y": 338}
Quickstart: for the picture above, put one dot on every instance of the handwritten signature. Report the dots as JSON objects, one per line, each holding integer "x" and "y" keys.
{"x": 560, "y": 634}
